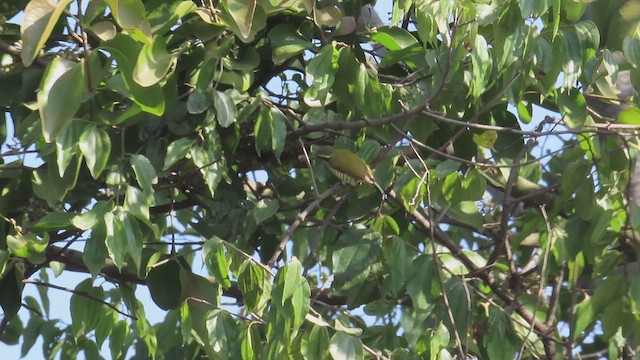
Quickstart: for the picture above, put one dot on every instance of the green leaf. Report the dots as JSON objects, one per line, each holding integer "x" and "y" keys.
{"x": 439, "y": 340}
{"x": 411, "y": 191}
{"x": 177, "y": 151}
{"x": 60, "y": 95}
{"x": 54, "y": 221}
{"x": 242, "y": 12}
{"x": 328, "y": 16}
{"x": 397, "y": 258}
{"x": 573, "y": 107}
{"x": 631, "y": 48}
{"x": 66, "y": 145}
{"x": 133, "y": 237}
{"x": 321, "y": 71}
{"x": 104, "y": 30}
{"x": 525, "y": 109}
{"x": 634, "y": 292}
{"x": 585, "y": 200}
{"x": 473, "y": 186}
{"x": 50, "y": 186}
{"x": 452, "y": 187}
{"x": 297, "y": 289}
{"x": 125, "y": 50}
{"x": 130, "y": 15}
{"x": 607, "y": 291}
{"x": 214, "y": 258}
{"x": 135, "y": 202}
{"x": 115, "y": 239}
{"x": 278, "y": 131}
{"x": 557, "y": 7}
{"x": 286, "y": 42}
{"x": 11, "y": 294}
{"x": 28, "y": 246}
{"x": 153, "y": 64}
{"x": 357, "y": 250}
{"x": 386, "y": 225}
{"x": 247, "y": 59}
{"x": 394, "y": 38}
{"x": 568, "y": 45}
{"x": 89, "y": 219}
{"x": 292, "y": 279}
{"x": 31, "y": 333}
{"x": 95, "y": 250}
{"x": 225, "y": 108}
{"x": 315, "y": 344}
{"x": 255, "y": 286}
{"x": 165, "y": 285}
{"x": 615, "y": 317}
{"x": 223, "y": 334}
{"x": 362, "y": 83}
{"x": 103, "y": 330}
{"x": 197, "y": 102}
{"x": 500, "y": 342}
{"x": 251, "y": 342}
{"x": 40, "y": 17}
{"x": 264, "y": 209}
{"x": 209, "y": 164}
{"x": 532, "y": 8}
{"x": 467, "y": 212}
{"x": 95, "y": 145}
{"x": 575, "y": 10}
{"x": 589, "y": 37}
{"x": 482, "y": 65}
{"x": 630, "y": 115}
{"x": 85, "y": 310}
{"x": 118, "y": 338}
{"x": 262, "y": 130}
{"x": 401, "y": 46}
{"x": 145, "y": 174}
{"x": 343, "y": 346}
{"x": 460, "y": 304}
{"x": 167, "y": 14}
{"x": 368, "y": 93}
{"x": 422, "y": 283}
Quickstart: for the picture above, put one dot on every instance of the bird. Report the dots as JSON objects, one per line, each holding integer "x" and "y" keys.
{"x": 347, "y": 166}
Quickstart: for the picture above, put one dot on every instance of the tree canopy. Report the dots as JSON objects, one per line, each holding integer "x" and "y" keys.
{"x": 142, "y": 138}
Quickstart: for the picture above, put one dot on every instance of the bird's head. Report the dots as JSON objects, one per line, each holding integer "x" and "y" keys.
{"x": 325, "y": 152}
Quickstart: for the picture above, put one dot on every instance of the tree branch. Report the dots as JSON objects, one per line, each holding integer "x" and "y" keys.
{"x": 301, "y": 217}
{"x": 443, "y": 239}
{"x": 80, "y": 293}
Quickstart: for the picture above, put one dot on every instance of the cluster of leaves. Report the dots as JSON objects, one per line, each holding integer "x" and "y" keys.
{"x": 168, "y": 129}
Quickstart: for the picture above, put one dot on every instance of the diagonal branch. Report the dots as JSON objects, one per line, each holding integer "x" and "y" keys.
{"x": 299, "y": 220}
{"x": 443, "y": 239}
{"x": 79, "y": 293}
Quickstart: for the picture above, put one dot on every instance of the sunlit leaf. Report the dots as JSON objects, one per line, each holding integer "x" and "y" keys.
{"x": 60, "y": 95}
{"x": 153, "y": 62}
{"x": 343, "y": 346}
{"x": 573, "y": 107}
{"x": 225, "y": 108}
{"x": 95, "y": 145}
{"x": 40, "y": 16}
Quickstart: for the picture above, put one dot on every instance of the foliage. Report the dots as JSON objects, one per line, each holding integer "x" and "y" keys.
{"x": 141, "y": 135}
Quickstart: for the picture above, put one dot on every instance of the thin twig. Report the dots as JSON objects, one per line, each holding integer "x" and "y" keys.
{"x": 320, "y": 233}
{"x": 308, "y": 161}
{"x": 549, "y": 346}
{"x": 301, "y": 218}
{"x": 79, "y": 293}
{"x": 444, "y": 240}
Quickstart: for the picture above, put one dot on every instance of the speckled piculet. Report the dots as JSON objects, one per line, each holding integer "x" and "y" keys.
{"x": 347, "y": 166}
